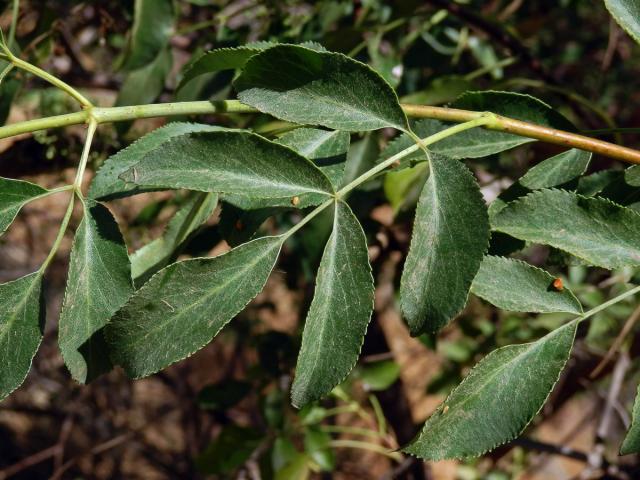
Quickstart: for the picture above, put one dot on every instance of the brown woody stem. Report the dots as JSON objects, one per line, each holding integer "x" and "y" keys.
{"x": 499, "y": 123}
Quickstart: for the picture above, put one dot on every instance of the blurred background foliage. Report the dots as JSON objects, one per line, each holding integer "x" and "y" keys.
{"x": 225, "y": 413}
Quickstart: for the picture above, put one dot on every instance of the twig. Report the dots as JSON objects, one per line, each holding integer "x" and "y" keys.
{"x": 65, "y": 431}
{"x": 550, "y": 448}
{"x": 400, "y": 470}
{"x": 596, "y": 459}
{"x": 619, "y": 372}
{"x": 98, "y": 449}
{"x": 30, "y": 461}
{"x": 614, "y": 35}
{"x": 631, "y": 321}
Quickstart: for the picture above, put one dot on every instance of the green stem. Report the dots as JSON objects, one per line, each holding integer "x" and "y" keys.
{"x": 352, "y": 408}
{"x": 489, "y": 68}
{"x": 119, "y": 114}
{"x": 77, "y": 185}
{"x": 5, "y": 72}
{"x": 481, "y": 120}
{"x": 500, "y": 123}
{"x": 365, "y": 432}
{"x": 55, "y": 81}
{"x": 14, "y": 22}
{"x": 372, "y": 447}
{"x": 60, "y": 237}
{"x": 316, "y": 211}
{"x": 608, "y": 303}
{"x": 37, "y": 124}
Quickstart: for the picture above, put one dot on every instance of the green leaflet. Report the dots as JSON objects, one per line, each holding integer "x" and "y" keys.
{"x": 152, "y": 28}
{"x": 157, "y": 254}
{"x": 327, "y": 149}
{"x": 98, "y": 284}
{"x": 184, "y": 306}
{"x": 14, "y": 194}
{"x": 497, "y": 400}
{"x": 229, "y": 161}
{"x": 222, "y": 59}
{"x": 22, "y": 316}
{"x": 557, "y": 170}
{"x": 107, "y": 185}
{"x": 479, "y": 142}
{"x": 593, "y": 229}
{"x": 230, "y": 59}
{"x": 627, "y": 14}
{"x": 632, "y": 176}
{"x": 304, "y": 86}
{"x": 593, "y": 184}
{"x": 517, "y": 286}
{"x": 450, "y": 236}
{"x": 339, "y": 314}
{"x": 631, "y": 443}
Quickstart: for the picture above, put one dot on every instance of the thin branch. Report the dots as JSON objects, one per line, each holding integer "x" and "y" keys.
{"x": 596, "y": 460}
{"x": 568, "y": 452}
{"x": 499, "y": 123}
{"x": 30, "y": 461}
{"x": 631, "y": 321}
{"x": 619, "y": 372}
{"x": 530, "y": 130}
{"x": 15, "y": 11}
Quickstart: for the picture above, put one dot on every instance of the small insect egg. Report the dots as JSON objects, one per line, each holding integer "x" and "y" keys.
{"x": 558, "y": 285}
{"x": 445, "y": 409}
{"x": 295, "y": 201}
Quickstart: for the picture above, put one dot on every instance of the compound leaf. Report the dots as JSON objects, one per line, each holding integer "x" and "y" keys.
{"x": 14, "y": 194}
{"x": 517, "y": 286}
{"x": 595, "y": 230}
{"x": 229, "y": 161}
{"x": 157, "y": 254}
{"x": 631, "y": 443}
{"x": 339, "y": 314}
{"x": 450, "y": 236}
{"x": 98, "y": 284}
{"x": 497, "y": 400}
{"x": 627, "y": 14}
{"x": 184, "y": 306}
{"x": 152, "y": 28}
{"x": 310, "y": 87}
{"x": 327, "y": 149}
{"x": 107, "y": 185}
{"x": 22, "y": 316}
